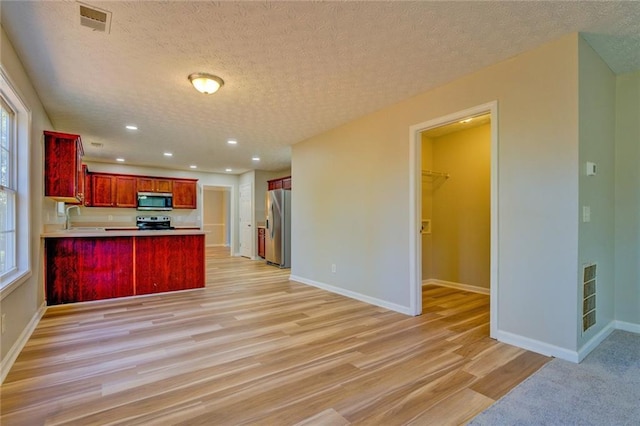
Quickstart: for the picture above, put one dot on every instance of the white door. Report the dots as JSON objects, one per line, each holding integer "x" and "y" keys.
{"x": 246, "y": 231}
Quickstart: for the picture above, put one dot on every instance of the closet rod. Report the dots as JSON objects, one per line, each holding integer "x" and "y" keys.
{"x": 432, "y": 173}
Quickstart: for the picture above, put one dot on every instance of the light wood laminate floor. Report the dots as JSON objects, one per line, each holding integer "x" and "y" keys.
{"x": 255, "y": 348}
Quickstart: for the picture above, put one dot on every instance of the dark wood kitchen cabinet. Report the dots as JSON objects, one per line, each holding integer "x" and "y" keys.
{"x": 63, "y": 174}
{"x": 280, "y": 183}
{"x": 109, "y": 190}
{"x": 79, "y": 269}
{"x": 169, "y": 263}
{"x": 185, "y": 193}
{"x": 261, "y": 235}
{"x": 82, "y": 269}
{"x": 149, "y": 184}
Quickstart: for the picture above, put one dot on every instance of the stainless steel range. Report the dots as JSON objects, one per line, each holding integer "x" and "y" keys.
{"x": 153, "y": 223}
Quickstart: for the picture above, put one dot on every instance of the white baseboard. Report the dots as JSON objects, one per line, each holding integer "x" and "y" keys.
{"x": 536, "y": 346}
{"x": 12, "y": 355}
{"x": 353, "y": 295}
{"x": 459, "y": 286}
{"x": 627, "y": 326}
{"x": 595, "y": 341}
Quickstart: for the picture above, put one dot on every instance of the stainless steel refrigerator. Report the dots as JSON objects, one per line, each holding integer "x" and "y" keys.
{"x": 277, "y": 241}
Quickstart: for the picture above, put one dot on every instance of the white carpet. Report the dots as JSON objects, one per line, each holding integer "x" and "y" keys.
{"x": 604, "y": 389}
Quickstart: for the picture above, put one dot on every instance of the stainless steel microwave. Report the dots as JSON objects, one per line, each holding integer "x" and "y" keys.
{"x": 155, "y": 201}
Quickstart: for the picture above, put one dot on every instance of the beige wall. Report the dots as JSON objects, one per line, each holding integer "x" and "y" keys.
{"x": 427, "y": 206}
{"x": 627, "y": 201}
{"x": 21, "y": 306}
{"x": 352, "y": 203}
{"x": 460, "y": 228}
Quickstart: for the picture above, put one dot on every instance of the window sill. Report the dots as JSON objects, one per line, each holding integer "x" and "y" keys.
{"x": 13, "y": 281}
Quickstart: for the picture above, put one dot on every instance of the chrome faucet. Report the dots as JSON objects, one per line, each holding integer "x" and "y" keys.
{"x": 67, "y": 221}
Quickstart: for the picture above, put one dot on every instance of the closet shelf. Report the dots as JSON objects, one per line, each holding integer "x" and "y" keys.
{"x": 431, "y": 173}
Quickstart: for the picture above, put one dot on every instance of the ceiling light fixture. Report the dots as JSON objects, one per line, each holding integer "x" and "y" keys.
{"x": 206, "y": 83}
{"x": 256, "y": 158}
{"x": 168, "y": 154}
{"x": 120, "y": 160}
{"x": 228, "y": 170}
{"x": 193, "y": 166}
{"x": 131, "y": 127}
{"x": 232, "y": 142}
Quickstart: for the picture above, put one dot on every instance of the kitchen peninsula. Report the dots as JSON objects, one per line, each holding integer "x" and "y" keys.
{"x": 93, "y": 264}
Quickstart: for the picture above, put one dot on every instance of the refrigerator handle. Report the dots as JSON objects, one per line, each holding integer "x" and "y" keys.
{"x": 271, "y": 229}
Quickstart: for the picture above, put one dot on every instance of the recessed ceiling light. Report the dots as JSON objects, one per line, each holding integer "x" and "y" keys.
{"x": 232, "y": 142}
{"x": 120, "y": 160}
{"x": 131, "y": 127}
{"x": 193, "y": 166}
{"x": 228, "y": 170}
{"x": 466, "y": 120}
{"x": 256, "y": 158}
{"x": 168, "y": 154}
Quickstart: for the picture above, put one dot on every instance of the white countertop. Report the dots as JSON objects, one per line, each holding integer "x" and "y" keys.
{"x": 107, "y": 232}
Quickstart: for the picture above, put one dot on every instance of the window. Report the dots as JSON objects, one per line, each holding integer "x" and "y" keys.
{"x": 15, "y": 122}
{"x": 8, "y": 189}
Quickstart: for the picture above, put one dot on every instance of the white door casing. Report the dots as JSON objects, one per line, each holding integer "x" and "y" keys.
{"x": 415, "y": 207}
{"x": 246, "y": 229}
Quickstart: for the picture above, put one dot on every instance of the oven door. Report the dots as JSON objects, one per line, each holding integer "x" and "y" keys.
{"x": 158, "y": 201}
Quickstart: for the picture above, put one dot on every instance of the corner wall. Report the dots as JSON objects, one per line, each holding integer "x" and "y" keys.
{"x": 627, "y": 202}
{"x": 461, "y": 208}
{"x": 597, "y": 138}
{"x": 352, "y": 203}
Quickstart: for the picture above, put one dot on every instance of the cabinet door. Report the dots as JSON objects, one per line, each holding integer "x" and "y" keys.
{"x": 63, "y": 166}
{"x": 82, "y": 269}
{"x": 184, "y": 194}
{"x": 261, "y": 232}
{"x": 275, "y": 184}
{"x": 167, "y": 263}
{"x": 144, "y": 184}
{"x": 88, "y": 201}
{"x": 286, "y": 183}
{"x": 102, "y": 190}
{"x": 125, "y": 191}
{"x": 163, "y": 185}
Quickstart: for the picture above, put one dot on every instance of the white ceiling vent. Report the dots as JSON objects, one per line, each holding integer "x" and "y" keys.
{"x": 94, "y": 18}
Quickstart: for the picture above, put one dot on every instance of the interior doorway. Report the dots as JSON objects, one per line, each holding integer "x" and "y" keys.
{"x": 216, "y": 216}
{"x": 454, "y": 173}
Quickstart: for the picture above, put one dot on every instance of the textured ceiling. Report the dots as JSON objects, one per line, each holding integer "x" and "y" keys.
{"x": 291, "y": 69}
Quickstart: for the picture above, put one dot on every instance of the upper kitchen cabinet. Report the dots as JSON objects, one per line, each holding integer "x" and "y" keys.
{"x": 280, "y": 183}
{"x": 109, "y": 190}
{"x": 149, "y": 184}
{"x": 63, "y": 174}
{"x": 184, "y": 194}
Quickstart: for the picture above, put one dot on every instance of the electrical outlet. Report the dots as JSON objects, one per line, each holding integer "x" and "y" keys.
{"x": 333, "y": 267}
{"x": 2, "y": 320}
{"x": 110, "y": 218}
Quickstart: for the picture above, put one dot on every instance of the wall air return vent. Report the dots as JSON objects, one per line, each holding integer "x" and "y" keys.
{"x": 94, "y": 18}
{"x": 588, "y": 296}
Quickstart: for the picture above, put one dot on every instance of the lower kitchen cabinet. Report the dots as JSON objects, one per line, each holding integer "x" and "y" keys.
{"x": 261, "y": 232}
{"x": 169, "y": 263}
{"x": 79, "y": 269}
{"x": 82, "y": 269}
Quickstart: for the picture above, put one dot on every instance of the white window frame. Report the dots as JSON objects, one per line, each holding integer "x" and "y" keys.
{"x": 22, "y": 129}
